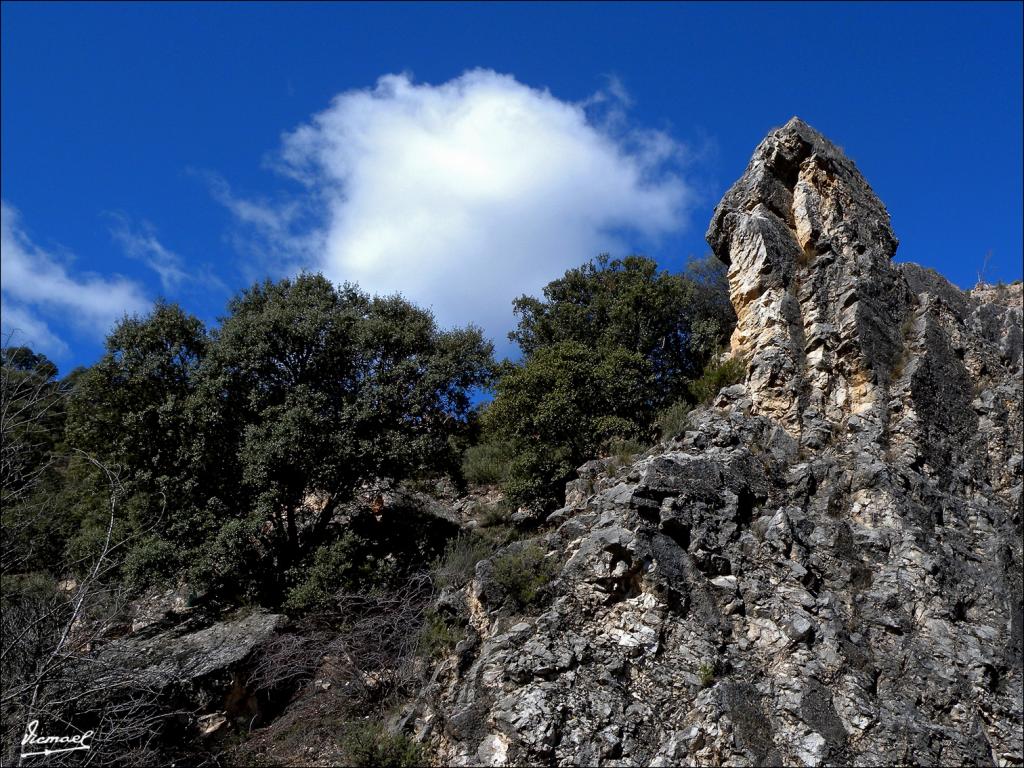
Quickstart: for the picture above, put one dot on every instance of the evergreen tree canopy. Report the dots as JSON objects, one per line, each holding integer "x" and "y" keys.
{"x": 238, "y": 446}
{"x": 611, "y": 343}
{"x": 675, "y": 321}
{"x": 561, "y": 406}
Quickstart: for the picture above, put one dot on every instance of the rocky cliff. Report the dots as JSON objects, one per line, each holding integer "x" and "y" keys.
{"x": 825, "y": 567}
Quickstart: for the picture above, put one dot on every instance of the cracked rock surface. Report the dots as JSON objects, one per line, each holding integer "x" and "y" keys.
{"x": 825, "y": 568}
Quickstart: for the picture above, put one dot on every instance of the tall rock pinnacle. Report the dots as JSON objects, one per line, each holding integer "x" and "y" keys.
{"x": 824, "y": 568}
{"x": 820, "y": 306}
{"x": 838, "y": 337}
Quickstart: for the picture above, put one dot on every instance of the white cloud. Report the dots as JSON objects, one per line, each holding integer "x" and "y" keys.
{"x": 140, "y": 242}
{"x": 263, "y": 215}
{"x": 464, "y": 195}
{"x": 21, "y": 328}
{"x": 35, "y": 286}
{"x": 280, "y": 247}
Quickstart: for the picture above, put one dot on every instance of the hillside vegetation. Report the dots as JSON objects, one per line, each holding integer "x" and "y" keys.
{"x": 246, "y": 464}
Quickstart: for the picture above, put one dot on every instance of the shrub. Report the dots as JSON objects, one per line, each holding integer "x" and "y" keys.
{"x": 498, "y": 536}
{"x": 523, "y": 573}
{"x": 707, "y": 675}
{"x": 674, "y": 420}
{"x": 456, "y": 565}
{"x": 624, "y": 449}
{"x": 491, "y": 516}
{"x": 342, "y": 566}
{"x": 436, "y": 636}
{"x": 486, "y": 464}
{"x": 369, "y": 745}
{"x": 715, "y": 376}
{"x": 906, "y": 328}
{"x": 231, "y": 562}
{"x": 151, "y": 561}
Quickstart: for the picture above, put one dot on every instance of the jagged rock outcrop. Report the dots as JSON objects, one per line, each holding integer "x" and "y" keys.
{"x": 180, "y": 656}
{"x": 825, "y": 568}
{"x": 194, "y": 668}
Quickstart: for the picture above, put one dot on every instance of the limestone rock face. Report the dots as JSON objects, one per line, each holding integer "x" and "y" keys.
{"x": 825, "y": 568}
{"x": 819, "y": 307}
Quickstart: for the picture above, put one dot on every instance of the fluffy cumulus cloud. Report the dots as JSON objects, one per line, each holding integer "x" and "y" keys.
{"x": 464, "y": 195}
{"x": 37, "y": 288}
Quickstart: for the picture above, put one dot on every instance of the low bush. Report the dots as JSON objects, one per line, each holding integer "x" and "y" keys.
{"x": 369, "y": 745}
{"x": 436, "y": 636}
{"x": 715, "y": 376}
{"x": 493, "y": 515}
{"x": 342, "y": 566}
{"x": 523, "y": 573}
{"x": 674, "y": 420}
{"x": 707, "y": 675}
{"x": 624, "y": 449}
{"x": 486, "y": 464}
{"x": 457, "y": 563}
{"x": 151, "y": 561}
{"x": 498, "y": 536}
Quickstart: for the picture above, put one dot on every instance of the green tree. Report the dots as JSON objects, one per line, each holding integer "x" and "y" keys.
{"x": 25, "y": 360}
{"x": 131, "y": 406}
{"x": 675, "y": 321}
{"x": 712, "y": 315}
{"x": 239, "y": 446}
{"x": 561, "y": 407}
{"x": 31, "y": 423}
{"x": 131, "y": 410}
{"x": 315, "y": 390}
{"x": 610, "y": 344}
{"x": 31, "y": 417}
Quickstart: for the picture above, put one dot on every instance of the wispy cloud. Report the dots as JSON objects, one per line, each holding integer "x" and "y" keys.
{"x": 263, "y": 214}
{"x": 37, "y": 288}
{"x": 464, "y": 195}
{"x": 22, "y": 328}
{"x": 140, "y": 242}
{"x": 276, "y": 237}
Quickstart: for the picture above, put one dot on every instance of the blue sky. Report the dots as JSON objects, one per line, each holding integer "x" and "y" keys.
{"x": 465, "y": 153}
